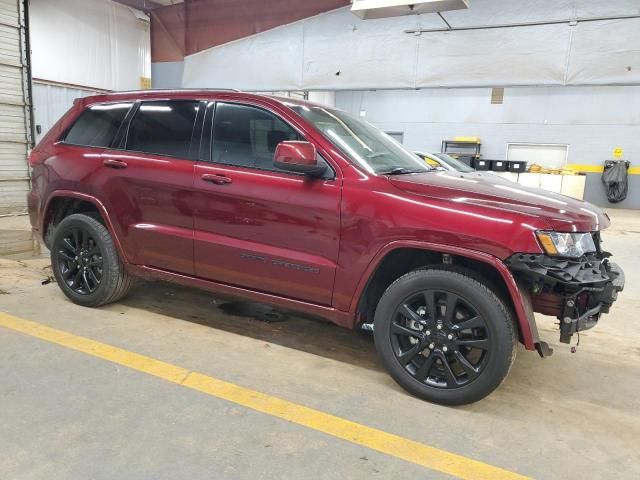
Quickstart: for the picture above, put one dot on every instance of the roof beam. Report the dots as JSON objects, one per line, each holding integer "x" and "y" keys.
{"x": 144, "y": 5}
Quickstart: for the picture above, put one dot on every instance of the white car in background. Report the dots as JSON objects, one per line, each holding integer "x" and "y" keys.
{"x": 442, "y": 161}
{"x": 446, "y": 163}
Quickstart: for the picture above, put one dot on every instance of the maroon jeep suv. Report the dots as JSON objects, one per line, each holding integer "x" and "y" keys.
{"x": 309, "y": 209}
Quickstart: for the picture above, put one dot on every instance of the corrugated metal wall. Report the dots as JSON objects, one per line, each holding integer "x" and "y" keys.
{"x": 51, "y": 101}
{"x": 14, "y": 109}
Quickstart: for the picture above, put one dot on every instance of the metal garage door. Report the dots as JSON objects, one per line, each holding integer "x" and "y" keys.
{"x": 14, "y": 109}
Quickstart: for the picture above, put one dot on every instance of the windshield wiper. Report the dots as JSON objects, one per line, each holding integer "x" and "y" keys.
{"x": 401, "y": 171}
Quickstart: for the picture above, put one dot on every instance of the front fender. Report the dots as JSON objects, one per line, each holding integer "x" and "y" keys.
{"x": 522, "y": 308}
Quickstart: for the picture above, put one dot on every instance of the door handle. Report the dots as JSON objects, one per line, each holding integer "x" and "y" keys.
{"x": 218, "y": 178}
{"x": 113, "y": 163}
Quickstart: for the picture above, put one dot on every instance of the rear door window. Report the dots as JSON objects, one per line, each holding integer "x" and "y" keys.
{"x": 97, "y": 125}
{"x": 163, "y": 128}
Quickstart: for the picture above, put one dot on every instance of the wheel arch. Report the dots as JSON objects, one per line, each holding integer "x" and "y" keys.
{"x": 398, "y": 258}
{"x": 62, "y": 203}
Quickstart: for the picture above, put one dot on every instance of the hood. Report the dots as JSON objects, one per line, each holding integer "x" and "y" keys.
{"x": 559, "y": 212}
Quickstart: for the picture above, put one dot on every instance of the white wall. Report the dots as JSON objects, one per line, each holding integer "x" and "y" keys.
{"x": 167, "y": 74}
{"x": 327, "y": 98}
{"x": 591, "y": 120}
{"x": 93, "y": 43}
{"x": 338, "y": 51}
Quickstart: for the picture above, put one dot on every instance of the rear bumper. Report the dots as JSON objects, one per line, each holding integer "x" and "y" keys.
{"x": 576, "y": 291}
{"x": 33, "y": 207}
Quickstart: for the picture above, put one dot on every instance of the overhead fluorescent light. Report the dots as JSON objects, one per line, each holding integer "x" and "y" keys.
{"x": 368, "y": 9}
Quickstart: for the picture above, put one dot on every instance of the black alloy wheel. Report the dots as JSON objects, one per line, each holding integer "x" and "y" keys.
{"x": 80, "y": 261}
{"x": 86, "y": 262}
{"x": 440, "y": 339}
{"x": 444, "y": 335}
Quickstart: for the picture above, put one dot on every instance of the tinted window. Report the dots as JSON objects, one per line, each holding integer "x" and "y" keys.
{"x": 366, "y": 145}
{"x": 163, "y": 128}
{"x": 248, "y": 136}
{"x": 98, "y": 125}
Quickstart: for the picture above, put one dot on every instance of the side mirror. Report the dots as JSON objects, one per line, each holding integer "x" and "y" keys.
{"x": 300, "y": 157}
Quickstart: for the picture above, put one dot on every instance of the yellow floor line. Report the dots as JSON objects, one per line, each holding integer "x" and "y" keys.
{"x": 387, "y": 443}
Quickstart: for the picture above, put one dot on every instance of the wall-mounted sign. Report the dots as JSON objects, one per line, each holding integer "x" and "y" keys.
{"x": 617, "y": 153}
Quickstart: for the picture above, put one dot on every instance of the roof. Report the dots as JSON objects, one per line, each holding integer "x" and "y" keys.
{"x": 189, "y": 93}
{"x": 198, "y": 94}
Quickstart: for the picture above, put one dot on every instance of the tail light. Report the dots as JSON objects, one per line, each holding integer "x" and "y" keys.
{"x": 33, "y": 158}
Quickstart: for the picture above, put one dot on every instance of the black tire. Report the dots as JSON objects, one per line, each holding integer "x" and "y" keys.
{"x": 85, "y": 262}
{"x": 450, "y": 364}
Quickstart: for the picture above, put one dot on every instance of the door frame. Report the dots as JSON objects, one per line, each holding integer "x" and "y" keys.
{"x": 120, "y": 140}
{"x": 206, "y": 137}
{"x": 535, "y": 144}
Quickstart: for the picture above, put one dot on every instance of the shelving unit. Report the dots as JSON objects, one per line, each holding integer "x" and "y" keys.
{"x": 468, "y": 150}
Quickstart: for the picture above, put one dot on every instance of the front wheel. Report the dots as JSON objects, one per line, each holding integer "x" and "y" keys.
{"x": 444, "y": 336}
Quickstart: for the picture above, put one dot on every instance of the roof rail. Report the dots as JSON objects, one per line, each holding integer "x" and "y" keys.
{"x": 166, "y": 90}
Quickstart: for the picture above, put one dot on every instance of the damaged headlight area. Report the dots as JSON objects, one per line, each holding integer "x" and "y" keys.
{"x": 573, "y": 281}
{"x": 561, "y": 244}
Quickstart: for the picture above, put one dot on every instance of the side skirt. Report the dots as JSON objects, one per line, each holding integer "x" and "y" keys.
{"x": 343, "y": 319}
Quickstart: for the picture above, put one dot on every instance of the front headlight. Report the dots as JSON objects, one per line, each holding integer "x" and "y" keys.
{"x": 572, "y": 245}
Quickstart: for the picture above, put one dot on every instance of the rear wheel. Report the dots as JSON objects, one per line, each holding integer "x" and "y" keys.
{"x": 444, "y": 336}
{"x": 85, "y": 262}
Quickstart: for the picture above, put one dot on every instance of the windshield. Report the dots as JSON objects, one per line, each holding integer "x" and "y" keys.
{"x": 364, "y": 144}
{"x": 454, "y": 162}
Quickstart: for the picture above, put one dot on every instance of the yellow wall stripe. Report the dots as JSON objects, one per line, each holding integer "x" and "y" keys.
{"x": 598, "y": 169}
{"x": 387, "y": 443}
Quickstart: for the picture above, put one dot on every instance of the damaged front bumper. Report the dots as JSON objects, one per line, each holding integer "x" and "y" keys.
{"x": 576, "y": 291}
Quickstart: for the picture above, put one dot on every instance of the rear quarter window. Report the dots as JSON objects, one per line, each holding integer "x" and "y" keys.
{"x": 97, "y": 125}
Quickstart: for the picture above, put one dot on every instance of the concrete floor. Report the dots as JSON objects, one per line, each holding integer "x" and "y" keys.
{"x": 66, "y": 415}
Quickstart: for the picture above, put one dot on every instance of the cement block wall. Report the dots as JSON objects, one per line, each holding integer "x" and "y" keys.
{"x": 592, "y": 120}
